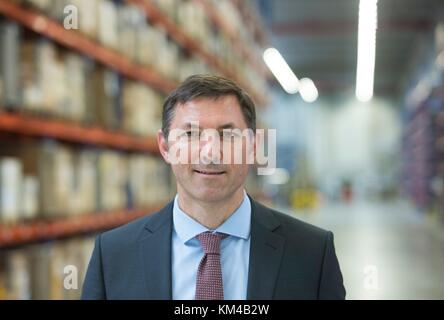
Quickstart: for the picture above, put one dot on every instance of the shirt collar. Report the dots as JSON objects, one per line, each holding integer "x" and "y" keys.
{"x": 238, "y": 224}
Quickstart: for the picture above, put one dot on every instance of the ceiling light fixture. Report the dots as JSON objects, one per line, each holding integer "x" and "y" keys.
{"x": 365, "y": 71}
{"x": 281, "y": 70}
{"x": 308, "y": 90}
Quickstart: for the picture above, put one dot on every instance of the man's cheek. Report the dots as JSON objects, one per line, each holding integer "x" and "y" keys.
{"x": 180, "y": 153}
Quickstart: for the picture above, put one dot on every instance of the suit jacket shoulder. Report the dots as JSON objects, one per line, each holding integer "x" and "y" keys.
{"x": 308, "y": 267}
{"x": 130, "y": 233}
{"x": 289, "y": 259}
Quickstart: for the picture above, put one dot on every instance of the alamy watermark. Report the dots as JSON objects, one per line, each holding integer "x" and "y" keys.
{"x": 371, "y": 277}
{"x": 223, "y": 147}
{"x": 71, "y": 279}
{"x": 71, "y": 17}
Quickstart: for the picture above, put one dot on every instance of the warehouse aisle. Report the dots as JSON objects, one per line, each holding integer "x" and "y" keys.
{"x": 386, "y": 250}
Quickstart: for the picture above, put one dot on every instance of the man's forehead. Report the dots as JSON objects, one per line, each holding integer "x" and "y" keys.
{"x": 210, "y": 113}
{"x": 224, "y": 101}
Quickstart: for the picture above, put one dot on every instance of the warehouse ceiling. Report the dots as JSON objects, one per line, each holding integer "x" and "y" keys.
{"x": 318, "y": 38}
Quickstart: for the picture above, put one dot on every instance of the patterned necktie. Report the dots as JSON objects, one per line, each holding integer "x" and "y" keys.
{"x": 209, "y": 274}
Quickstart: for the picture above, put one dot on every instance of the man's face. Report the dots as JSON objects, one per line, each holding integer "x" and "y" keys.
{"x": 211, "y": 171}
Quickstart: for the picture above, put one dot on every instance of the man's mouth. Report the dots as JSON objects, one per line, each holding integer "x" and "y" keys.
{"x": 209, "y": 172}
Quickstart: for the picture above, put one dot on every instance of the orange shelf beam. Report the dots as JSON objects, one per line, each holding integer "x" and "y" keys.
{"x": 158, "y": 18}
{"x": 70, "y": 132}
{"x": 41, "y": 230}
{"x": 76, "y": 41}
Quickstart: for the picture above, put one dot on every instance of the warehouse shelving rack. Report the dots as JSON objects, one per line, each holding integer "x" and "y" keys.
{"x": 70, "y": 132}
{"x": 158, "y": 18}
{"x": 25, "y": 124}
{"x": 42, "y": 230}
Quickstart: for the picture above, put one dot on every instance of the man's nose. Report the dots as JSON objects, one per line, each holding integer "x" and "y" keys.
{"x": 210, "y": 148}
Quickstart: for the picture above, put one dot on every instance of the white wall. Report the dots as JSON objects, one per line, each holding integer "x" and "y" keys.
{"x": 342, "y": 139}
{"x": 354, "y": 140}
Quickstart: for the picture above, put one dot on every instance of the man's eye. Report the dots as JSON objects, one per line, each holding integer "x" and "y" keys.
{"x": 229, "y": 135}
{"x": 192, "y": 134}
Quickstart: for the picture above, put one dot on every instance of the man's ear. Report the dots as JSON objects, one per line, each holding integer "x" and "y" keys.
{"x": 162, "y": 142}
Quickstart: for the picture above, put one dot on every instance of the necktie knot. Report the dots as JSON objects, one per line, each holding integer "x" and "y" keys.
{"x": 209, "y": 284}
{"x": 210, "y": 242}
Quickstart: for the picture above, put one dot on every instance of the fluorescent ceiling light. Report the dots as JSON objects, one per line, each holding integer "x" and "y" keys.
{"x": 308, "y": 90}
{"x": 281, "y": 70}
{"x": 365, "y": 71}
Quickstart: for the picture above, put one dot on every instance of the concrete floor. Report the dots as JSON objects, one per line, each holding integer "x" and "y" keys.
{"x": 386, "y": 250}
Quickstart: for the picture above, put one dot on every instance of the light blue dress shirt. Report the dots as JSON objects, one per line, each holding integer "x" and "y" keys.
{"x": 235, "y": 252}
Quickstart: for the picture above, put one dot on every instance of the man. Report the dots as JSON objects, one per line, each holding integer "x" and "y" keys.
{"x": 213, "y": 241}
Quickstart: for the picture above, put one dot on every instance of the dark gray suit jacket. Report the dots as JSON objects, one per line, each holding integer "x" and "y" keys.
{"x": 289, "y": 259}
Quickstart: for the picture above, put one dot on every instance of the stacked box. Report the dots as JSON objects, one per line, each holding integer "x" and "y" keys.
{"x": 169, "y": 7}
{"x": 129, "y": 20}
{"x": 75, "y": 107}
{"x": 106, "y": 86}
{"x": 149, "y": 40}
{"x": 29, "y": 75}
{"x": 68, "y": 181}
{"x": 11, "y": 176}
{"x": 10, "y": 93}
{"x": 30, "y": 197}
{"x": 18, "y": 278}
{"x": 142, "y": 109}
{"x": 112, "y": 182}
{"x": 40, "y": 260}
{"x": 57, "y": 176}
{"x": 148, "y": 180}
{"x": 107, "y": 24}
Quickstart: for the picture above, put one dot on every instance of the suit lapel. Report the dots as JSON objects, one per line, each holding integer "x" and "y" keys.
{"x": 266, "y": 249}
{"x": 155, "y": 253}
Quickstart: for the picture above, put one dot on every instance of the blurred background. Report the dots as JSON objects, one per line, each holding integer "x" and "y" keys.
{"x": 354, "y": 88}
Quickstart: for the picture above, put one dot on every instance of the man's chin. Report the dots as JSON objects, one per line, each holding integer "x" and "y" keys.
{"x": 211, "y": 195}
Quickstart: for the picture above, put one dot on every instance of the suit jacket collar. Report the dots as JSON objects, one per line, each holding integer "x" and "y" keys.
{"x": 155, "y": 254}
{"x": 266, "y": 250}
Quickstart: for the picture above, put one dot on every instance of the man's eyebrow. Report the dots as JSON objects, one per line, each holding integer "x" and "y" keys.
{"x": 230, "y": 125}
{"x": 190, "y": 125}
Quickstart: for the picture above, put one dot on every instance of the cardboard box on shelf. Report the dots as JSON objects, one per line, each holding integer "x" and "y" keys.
{"x": 29, "y": 75}
{"x": 18, "y": 278}
{"x": 10, "y": 93}
{"x": 149, "y": 41}
{"x": 168, "y": 7}
{"x": 27, "y": 154}
{"x": 30, "y": 197}
{"x": 107, "y": 89}
{"x": 43, "y": 77}
{"x": 147, "y": 178}
{"x": 107, "y": 21}
{"x": 10, "y": 189}
{"x": 84, "y": 198}
{"x": 75, "y": 106}
{"x": 112, "y": 181}
{"x": 68, "y": 181}
{"x": 141, "y": 109}
{"x": 57, "y": 177}
{"x": 88, "y": 12}
{"x": 130, "y": 19}
{"x": 55, "y": 267}
{"x": 40, "y": 259}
